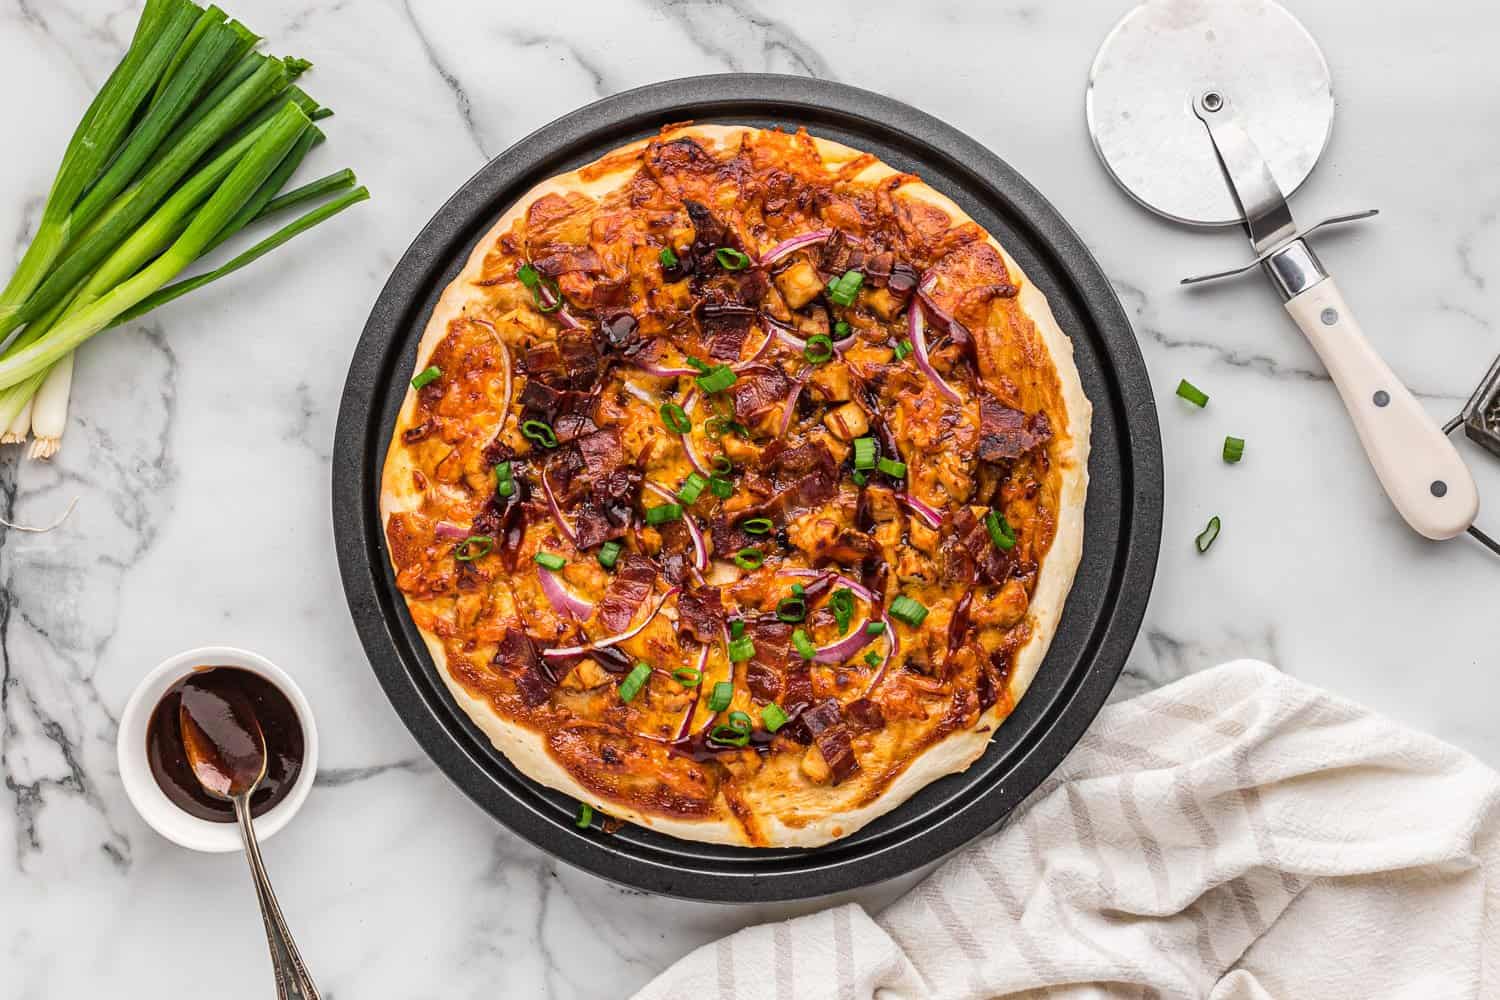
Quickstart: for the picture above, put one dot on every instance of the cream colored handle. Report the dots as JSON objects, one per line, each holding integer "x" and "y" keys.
{"x": 1417, "y": 464}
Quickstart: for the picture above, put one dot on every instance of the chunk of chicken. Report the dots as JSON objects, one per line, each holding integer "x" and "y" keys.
{"x": 799, "y": 284}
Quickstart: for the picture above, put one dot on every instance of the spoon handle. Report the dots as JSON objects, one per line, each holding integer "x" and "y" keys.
{"x": 292, "y": 980}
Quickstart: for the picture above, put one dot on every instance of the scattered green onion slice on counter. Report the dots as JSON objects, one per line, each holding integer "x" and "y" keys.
{"x": 585, "y": 816}
{"x": 536, "y": 281}
{"x": 907, "y": 610}
{"x": 663, "y": 513}
{"x": 720, "y": 697}
{"x": 667, "y": 257}
{"x": 903, "y": 350}
{"x": 741, "y": 649}
{"x": 875, "y": 628}
{"x": 608, "y": 553}
{"x": 426, "y": 376}
{"x": 865, "y": 449}
{"x": 892, "y": 468}
{"x": 634, "y": 681}
{"x": 731, "y": 259}
{"x": 805, "y": 647}
{"x": 1192, "y": 393}
{"x": 688, "y": 676}
{"x": 819, "y": 349}
{"x": 675, "y": 418}
{"x": 736, "y": 628}
{"x": 843, "y": 289}
{"x": 791, "y": 609}
{"x": 841, "y": 603}
{"x": 550, "y": 560}
{"x": 1001, "y": 533}
{"x": 1207, "y": 535}
{"x": 539, "y": 433}
{"x": 757, "y": 525}
{"x": 1234, "y": 449}
{"x": 505, "y": 483}
{"x": 722, "y": 465}
{"x": 692, "y": 488}
{"x": 720, "y": 487}
{"x": 473, "y": 547}
{"x": 872, "y": 658}
{"x": 772, "y": 717}
{"x": 734, "y": 733}
{"x": 717, "y": 379}
{"x": 749, "y": 558}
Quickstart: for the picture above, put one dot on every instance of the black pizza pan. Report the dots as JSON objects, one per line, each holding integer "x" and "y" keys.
{"x": 1122, "y": 518}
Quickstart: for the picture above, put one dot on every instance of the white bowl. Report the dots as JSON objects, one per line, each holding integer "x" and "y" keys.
{"x": 135, "y": 771}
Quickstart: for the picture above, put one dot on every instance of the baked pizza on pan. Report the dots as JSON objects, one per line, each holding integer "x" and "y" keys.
{"x": 740, "y": 485}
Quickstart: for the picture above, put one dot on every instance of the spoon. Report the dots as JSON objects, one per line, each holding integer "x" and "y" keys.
{"x": 227, "y": 752}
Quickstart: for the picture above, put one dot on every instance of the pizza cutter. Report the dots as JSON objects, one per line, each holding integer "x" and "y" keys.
{"x": 1210, "y": 112}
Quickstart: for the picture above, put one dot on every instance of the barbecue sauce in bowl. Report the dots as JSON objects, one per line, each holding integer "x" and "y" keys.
{"x": 272, "y": 709}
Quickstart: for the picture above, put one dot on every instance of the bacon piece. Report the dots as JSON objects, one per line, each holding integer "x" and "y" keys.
{"x": 700, "y": 613}
{"x": 634, "y": 579}
{"x": 601, "y": 451}
{"x": 826, "y": 726}
{"x": 567, "y": 259}
{"x": 864, "y": 715}
{"x": 724, "y": 327}
{"x": 1006, "y": 434}
{"x": 518, "y": 657}
{"x": 763, "y": 670}
{"x": 969, "y": 554}
{"x": 809, "y": 470}
{"x": 759, "y": 388}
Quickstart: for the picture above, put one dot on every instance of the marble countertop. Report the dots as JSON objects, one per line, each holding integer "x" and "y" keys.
{"x": 201, "y": 444}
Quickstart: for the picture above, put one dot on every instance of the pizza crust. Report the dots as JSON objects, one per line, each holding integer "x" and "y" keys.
{"x": 527, "y": 749}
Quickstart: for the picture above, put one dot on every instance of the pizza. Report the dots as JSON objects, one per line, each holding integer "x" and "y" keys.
{"x": 739, "y": 485}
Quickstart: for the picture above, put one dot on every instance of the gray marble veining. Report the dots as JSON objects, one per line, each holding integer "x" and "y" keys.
{"x": 201, "y": 443}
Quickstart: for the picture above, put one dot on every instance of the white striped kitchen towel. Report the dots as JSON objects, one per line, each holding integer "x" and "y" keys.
{"x": 1236, "y": 835}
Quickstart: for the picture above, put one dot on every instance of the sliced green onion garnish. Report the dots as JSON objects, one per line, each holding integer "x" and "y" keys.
{"x": 859, "y": 477}
{"x": 585, "y": 816}
{"x": 550, "y": 560}
{"x": 791, "y": 609}
{"x": 720, "y": 487}
{"x": 843, "y": 289}
{"x": 608, "y": 553}
{"x": 892, "y": 468}
{"x": 903, "y": 349}
{"x": 799, "y": 590}
{"x": 841, "y": 603}
{"x": 864, "y": 452}
{"x": 505, "y": 483}
{"x": 539, "y": 433}
{"x": 731, "y": 259}
{"x": 734, "y": 733}
{"x": 872, "y": 658}
{"x": 703, "y": 367}
{"x": 473, "y": 547}
{"x": 662, "y": 513}
{"x": 1207, "y": 535}
{"x": 749, "y": 558}
{"x": 874, "y": 628}
{"x": 905, "y": 609}
{"x": 722, "y": 465}
{"x": 720, "y": 697}
{"x": 772, "y": 717}
{"x": 1234, "y": 449}
{"x": 805, "y": 647}
{"x": 667, "y": 257}
{"x": 741, "y": 649}
{"x": 634, "y": 681}
{"x": 426, "y": 376}
{"x": 716, "y": 427}
{"x": 819, "y": 349}
{"x": 675, "y": 418}
{"x": 757, "y": 525}
{"x": 688, "y": 676}
{"x": 692, "y": 488}
{"x": 534, "y": 280}
{"x": 1192, "y": 393}
{"x": 716, "y": 379}
{"x": 1001, "y": 533}
{"x": 736, "y": 628}
{"x": 841, "y": 329}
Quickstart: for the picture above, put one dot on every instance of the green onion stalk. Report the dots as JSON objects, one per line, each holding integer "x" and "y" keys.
{"x": 193, "y": 138}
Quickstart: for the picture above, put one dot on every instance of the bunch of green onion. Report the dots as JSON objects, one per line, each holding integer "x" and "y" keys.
{"x": 193, "y": 137}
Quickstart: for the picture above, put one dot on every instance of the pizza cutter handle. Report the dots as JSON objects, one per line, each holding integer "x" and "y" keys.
{"x": 1417, "y": 464}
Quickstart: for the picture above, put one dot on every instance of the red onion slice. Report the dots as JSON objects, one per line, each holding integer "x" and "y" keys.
{"x": 930, "y": 516}
{"x": 860, "y": 590}
{"x": 687, "y": 717}
{"x": 790, "y": 339}
{"x": 557, "y": 514}
{"x": 700, "y": 550}
{"x": 759, "y": 351}
{"x": 694, "y": 459}
{"x": 509, "y": 377}
{"x": 892, "y": 647}
{"x": 449, "y": 530}
{"x": 846, "y": 647}
{"x": 785, "y": 247}
{"x": 611, "y": 640}
{"x": 791, "y": 404}
{"x": 664, "y": 371}
{"x": 916, "y": 328}
{"x": 563, "y": 601}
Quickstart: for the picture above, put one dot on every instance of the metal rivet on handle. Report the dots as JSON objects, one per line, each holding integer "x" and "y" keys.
{"x": 1382, "y": 398}
{"x": 1330, "y": 316}
{"x": 1439, "y": 488}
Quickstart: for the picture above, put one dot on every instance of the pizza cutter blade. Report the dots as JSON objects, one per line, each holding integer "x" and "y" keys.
{"x": 1209, "y": 112}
